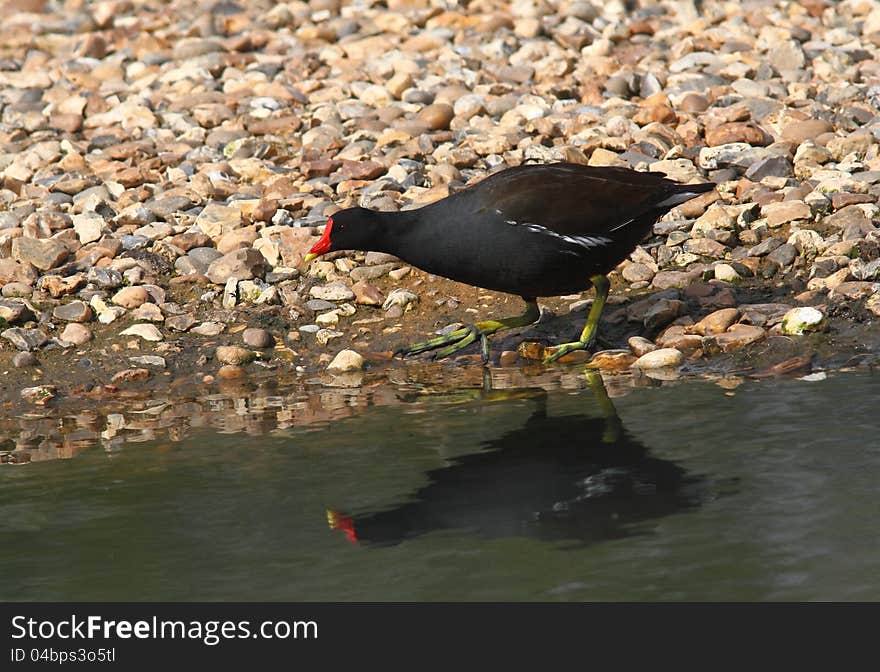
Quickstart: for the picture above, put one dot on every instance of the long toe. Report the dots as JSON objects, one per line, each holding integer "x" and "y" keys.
{"x": 565, "y": 348}
{"x": 472, "y": 336}
{"x": 452, "y": 339}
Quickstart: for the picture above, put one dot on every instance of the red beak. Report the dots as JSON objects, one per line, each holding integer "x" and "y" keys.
{"x": 323, "y": 245}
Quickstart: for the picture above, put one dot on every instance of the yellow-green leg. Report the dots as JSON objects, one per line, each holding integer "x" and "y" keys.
{"x": 588, "y": 335}
{"x": 461, "y": 338}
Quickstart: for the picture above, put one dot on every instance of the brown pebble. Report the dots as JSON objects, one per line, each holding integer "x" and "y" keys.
{"x": 131, "y": 376}
{"x": 230, "y": 372}
{"x": 257, "y": 338}
{"x": 508, "y": 358}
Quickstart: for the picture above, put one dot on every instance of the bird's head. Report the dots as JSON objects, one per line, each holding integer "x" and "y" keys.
{"x": 351, "y": 229}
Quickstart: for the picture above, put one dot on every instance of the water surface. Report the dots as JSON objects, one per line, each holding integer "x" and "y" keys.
{"x": 693, "y": 492}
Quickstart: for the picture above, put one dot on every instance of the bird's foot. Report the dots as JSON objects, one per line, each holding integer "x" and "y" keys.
{"x": 565, "y": 348}
{"x": 450, "y": 343}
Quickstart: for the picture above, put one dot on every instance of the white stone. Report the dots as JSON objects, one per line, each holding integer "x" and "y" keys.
{"x": 664, "y": 357}
{"x": 148, "y": 332}
{"x": 798, "y": 321}
{"x": 346, "y": 360}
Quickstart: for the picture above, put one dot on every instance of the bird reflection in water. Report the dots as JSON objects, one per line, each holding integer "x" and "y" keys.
{"x": 570, "y": 478}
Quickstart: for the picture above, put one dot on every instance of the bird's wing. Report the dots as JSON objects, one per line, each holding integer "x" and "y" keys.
{"x": 583, "y": 202}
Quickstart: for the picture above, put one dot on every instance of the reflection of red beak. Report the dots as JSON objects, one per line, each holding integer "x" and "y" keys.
{"x": 323, "y": 245}
{"x": 338, "y": 521}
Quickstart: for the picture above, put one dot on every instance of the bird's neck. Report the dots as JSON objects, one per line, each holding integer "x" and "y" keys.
{"x": 394, "y": 229}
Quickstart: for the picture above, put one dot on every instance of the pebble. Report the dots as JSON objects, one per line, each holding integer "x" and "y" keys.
{"x": 13, "y": 312}
{"x": 640, "y": 345}
{"x": 257, "y": 338}
{"x": 663, "y": 357}
{"x": 799, "y": 321}
{"x": 23, "y": 360}
{"x": 230, "y": 372}
{"x": 345, "y": 361}
{"x": 39, "y": 395}
{"x": 75, "y": 311}
{"x": 233, "y": 354}
{"x": 25, "y": 339}
{"x": 148, "y": 332}
{"x": 335, "y": 291}
{"x": 130, "y": 297}
{"x": 717, "y": 322}
{"x": 208, "y": 329}
{"x": 76, "y": 334}
{"x": 132, "y": 375}
{"x": 149, "y": 360}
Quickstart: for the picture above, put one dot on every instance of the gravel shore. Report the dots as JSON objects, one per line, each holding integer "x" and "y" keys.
{"x": 165, "y": 167}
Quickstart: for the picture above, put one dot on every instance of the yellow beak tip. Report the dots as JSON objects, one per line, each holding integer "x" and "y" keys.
{"x": 309, "y": 257}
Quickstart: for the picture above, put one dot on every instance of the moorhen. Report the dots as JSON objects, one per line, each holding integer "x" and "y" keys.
{"x": 532, "y": 230}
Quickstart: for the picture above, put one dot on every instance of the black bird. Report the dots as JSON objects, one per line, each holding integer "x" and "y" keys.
{"x": 532, "y": 230}
{"x": 592, "y": 482}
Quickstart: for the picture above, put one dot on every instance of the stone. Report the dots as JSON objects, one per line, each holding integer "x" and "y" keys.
{"x": 436, "y": 116}
{"x": 508, "y": 357}
{"x": 784, "y": 255}
{"x": 346, "y": 361}
{"x": 745, "y": 132}
{"x": 640, "y": 345}
{"x": 234, "y": 240}
{"x": 400, "y": 297}
{"x": 58, "y": 286}
{"x": 611, "y": 361}
{"x": 39, "y": 395}
{"x": 233, "y": 354}
{"x": 785, "y": 212}
{"x": 208, "y": 329}
{"x": 676, "y": 336}
{"x": 335, "y": 291}
{"x": 75, "y": 311}
{"x": 106, "y": 314}
{"x": 716, "y": 323}
{"x": 669, "y": 279}
{"x": 661, "y": 358}
{"x": 662, "y": 312}
{"x": 23, "y": 360}
{"x": 149, "y": 360}
{"x": 149, "y": 312}
{"x": 257, "y": 338}
{"x": 231, "y": 372}
{"x": 180, "y": 322}
{"x": 799, "y": 321}
{"x": 44, "y": 254}
{"x": 726, "y": 272}
{"x": 798, "y": 132}
{"x": 241, "y": 264}
{"x": 738, "y": 336}
{"x": 131, "y": 375}
{"x": 76, "y": 334}
{"x": 131, "y": 297}
{"x": 637, "y": 272}
{"x": 771, "y": 166}
{"x": 148, "y": 332}
{"x": 366, "y": 294}
{"x": 12, "y": 312}
{"x": 105, "y": 278}
{"x": 16, "y": 290}
{"x": 89, "y": 227}
{"x": 25, "y": 339}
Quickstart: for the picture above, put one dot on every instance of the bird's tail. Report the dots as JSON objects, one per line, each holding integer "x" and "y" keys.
{"x": 684, "y": 192}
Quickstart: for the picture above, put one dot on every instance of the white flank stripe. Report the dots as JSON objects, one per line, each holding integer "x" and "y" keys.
{"x": 587, "y": 242}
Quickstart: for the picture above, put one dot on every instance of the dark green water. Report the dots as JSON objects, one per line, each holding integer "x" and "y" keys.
{"x": 769, "y": 492}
